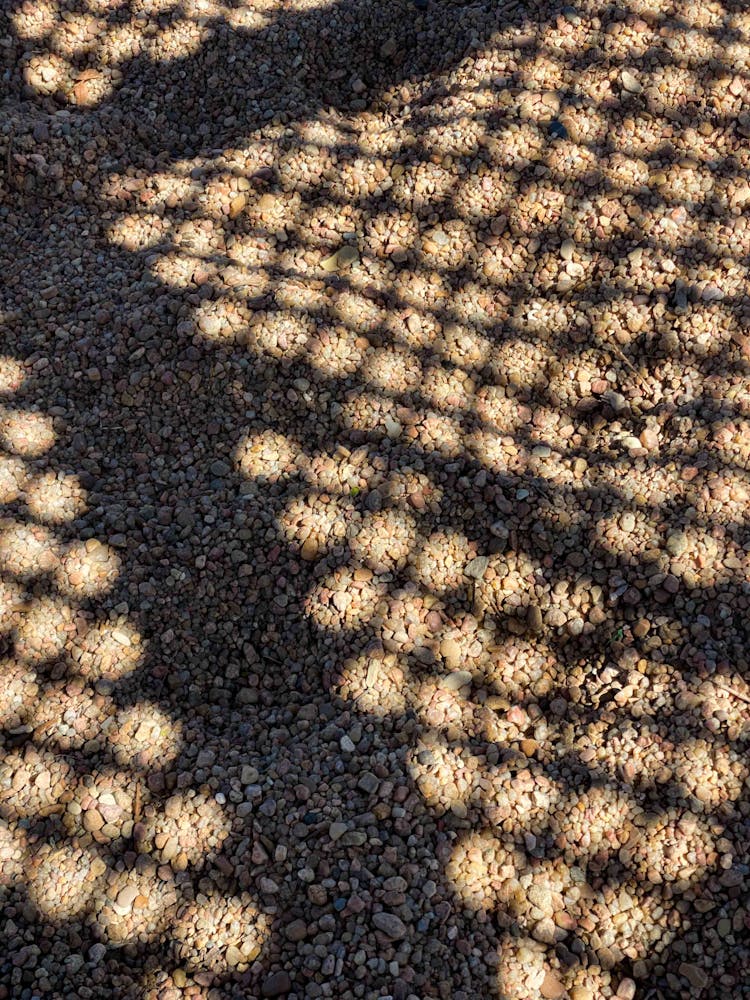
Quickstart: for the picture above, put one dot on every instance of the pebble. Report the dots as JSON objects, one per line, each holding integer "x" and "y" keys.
{"x": 391, "y": 925}
{"x": 276, "y": 985}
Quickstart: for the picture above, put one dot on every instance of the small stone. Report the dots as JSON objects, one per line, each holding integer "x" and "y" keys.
{"x": 626, "y": 989}
{"x": 126, "y": 897}
{"x": 179, "y": 978}
{"x": 249, "y": 774}
{"x": 456, "y": 680}
{"x": 630, "y": 82}
{"x": 567, "y": 249}
{"x": 545, "y": 931}
{"x": 557, "y": 130}
{"x": 369, "y": 782}
{"x": 276, "y": 985}
{"x": 296, "y": 931}
{"x": 477, "y": 567}
{"x": 237, "y": 205}
{"x": 551, "y": 987}
{"x": 391, "y": 925}
{"x": 677, "y": 543}
{"x": 233, "y": 956}
{"x": 694, "y": 975}
{"x": 337, "y": 830}
{"x": 534, "y": 618}
{"x": 97, "y": 952}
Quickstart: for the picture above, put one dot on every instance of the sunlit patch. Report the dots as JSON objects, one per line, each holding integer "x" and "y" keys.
{"x": 395, "y": 369}
{"x": 440, "y": 561}
{"x": 137, "y": 231}
{"x": 26, "y": 433}
{"x": 356, "y": 312}
{"x": 36, "y": 23}
{"x": 447, "y": 390}
{"x": 47, "y": 73}
{"x": 70, "y": 719}
{"x": 219, "y": 933}
{"x": 440, "y": 434}
{"x": 26, "y": 550}
{"x": 301, "y": 294}
{"x": 344, "y": 599}
{"x": 625, "y": 173}
{"x": 179, "y": 269}
{"x": 62, "y": 881}
{"x": 145, "y": 737}
{"x": 673, "y": 849}
{"x": 135, "y": 908}
{"x": 447, "y": 782}
{"x": 53, "y": 498}
{"x": 315, "y": 523}
{"x": 477, "y": 867}
{"x": 510, "y": 587}
{"x": 12, "y": 478}
{"x": 42, "y": 633}
{"x": 495, "y": 408}
{"x": 628, "y": 533}
{"x": 334, "y": 473}
{"x": 490, "y": 449}
{"x": 503, "y": 264}
{"x": 191, "y": 829}
{"x": 280, "y": 335}
{"x": 13, "y": 854}
{"x": 371, "y": 412}
{"x": 376, "y": 684}
{"x": 522, "y": 967}
{"x": 709, "y": 773}
{"x": 521, "y": 669}
{"x": 12, "y": 375}
{"x": 107, "y": 651}
{"x": 87, "y": 569}
{"x": 383, "y": 542}
{"x": 18, "y": 690}
{"x": 274, "y": 211}
{"x": 437, "y": 181}
{"x": 32, "y": 784}
{"x": 183, "y": 35}
{"x": 425, "y": 291}
{"x": 336, "y": 352}
{"x": 267, "y": 456}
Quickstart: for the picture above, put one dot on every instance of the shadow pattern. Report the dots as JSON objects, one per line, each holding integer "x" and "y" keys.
{"x": 375, "y": 479}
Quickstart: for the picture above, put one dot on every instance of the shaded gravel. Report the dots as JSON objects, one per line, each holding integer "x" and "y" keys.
{"x": 374, "y": 470}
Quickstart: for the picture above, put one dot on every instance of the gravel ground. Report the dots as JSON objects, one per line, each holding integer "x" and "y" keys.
{"x": 375, "y": 471}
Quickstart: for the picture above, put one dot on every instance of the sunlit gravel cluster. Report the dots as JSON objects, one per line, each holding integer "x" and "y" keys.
{"x": 375, "y": 475}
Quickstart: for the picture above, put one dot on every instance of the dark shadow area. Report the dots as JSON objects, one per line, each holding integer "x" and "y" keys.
{"x": 408, "y": 580}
